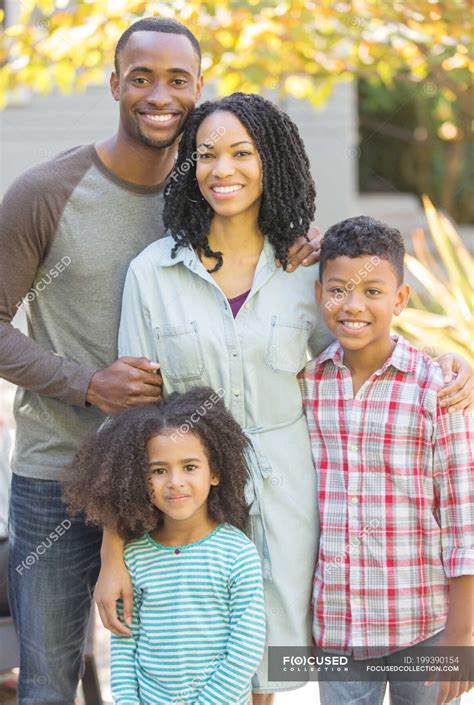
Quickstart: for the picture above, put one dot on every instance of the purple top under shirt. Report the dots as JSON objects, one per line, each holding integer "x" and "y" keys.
{"x": 237, "y": 302}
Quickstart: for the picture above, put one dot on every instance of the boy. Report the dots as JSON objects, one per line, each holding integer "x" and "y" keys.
{"x": 394, "y": 476}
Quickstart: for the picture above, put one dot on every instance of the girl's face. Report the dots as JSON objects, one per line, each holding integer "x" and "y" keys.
{"x": 179, "y": 476}
{"x": 228, "y": 168}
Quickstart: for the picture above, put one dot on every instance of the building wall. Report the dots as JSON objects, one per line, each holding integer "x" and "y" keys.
{"x": 44, "y": 126}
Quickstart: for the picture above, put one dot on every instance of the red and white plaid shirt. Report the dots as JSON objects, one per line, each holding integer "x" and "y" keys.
{"x": 396, "y": 499}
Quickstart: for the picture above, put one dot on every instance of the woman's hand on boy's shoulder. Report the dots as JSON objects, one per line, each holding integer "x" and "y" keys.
{"x": 457, "y": 395}
{"x": 305, "y": 250}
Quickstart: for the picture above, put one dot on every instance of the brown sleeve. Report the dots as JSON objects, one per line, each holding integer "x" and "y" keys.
{"x": 29, "y": 214}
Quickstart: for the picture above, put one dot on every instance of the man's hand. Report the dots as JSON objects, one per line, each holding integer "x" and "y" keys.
{"x": 457, "y": 395}
{"x": 305, "y": 250}
{"x": 128, "y": 382}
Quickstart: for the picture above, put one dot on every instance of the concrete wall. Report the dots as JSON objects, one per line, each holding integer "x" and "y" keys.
{"x": 47, "y": 125}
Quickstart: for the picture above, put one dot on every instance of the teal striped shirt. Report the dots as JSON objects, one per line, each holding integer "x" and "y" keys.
{"x": 198, "y": 622}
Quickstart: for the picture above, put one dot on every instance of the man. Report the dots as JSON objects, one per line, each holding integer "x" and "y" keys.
{"x": 68, "y": 230}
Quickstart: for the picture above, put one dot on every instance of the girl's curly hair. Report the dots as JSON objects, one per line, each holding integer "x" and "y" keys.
{"x": 107, "y": 479}
{"x": 288, "y": 198}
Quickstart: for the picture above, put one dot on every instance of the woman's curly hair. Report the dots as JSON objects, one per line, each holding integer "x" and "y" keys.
{"x": 108, "y": 478}
{"x": 288, "y": 198}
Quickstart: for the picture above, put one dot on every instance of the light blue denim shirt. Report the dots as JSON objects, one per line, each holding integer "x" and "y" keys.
{"x": 174, "y": 313}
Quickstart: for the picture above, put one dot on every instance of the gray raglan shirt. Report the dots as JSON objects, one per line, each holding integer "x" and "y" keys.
{"x": 68, "y": 231}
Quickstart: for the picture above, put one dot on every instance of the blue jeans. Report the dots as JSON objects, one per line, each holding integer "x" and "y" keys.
{"x": 373, "y": 692}
{"x": 53, "y": 567}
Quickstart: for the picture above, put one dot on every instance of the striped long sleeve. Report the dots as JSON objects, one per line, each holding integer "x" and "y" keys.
{"x": 125, "y": 686}
{"x": 230, "y": 682}
{"x": 198, "y": 622}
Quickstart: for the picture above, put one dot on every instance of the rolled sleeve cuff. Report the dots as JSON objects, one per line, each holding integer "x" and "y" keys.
{"x": 79, "y": 385}
{"x": 458, "y": 562}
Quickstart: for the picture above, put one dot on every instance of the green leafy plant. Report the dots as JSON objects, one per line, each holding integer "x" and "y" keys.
{"x": 439, "y": 316}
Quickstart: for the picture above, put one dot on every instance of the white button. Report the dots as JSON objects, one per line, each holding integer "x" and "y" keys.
{"x": 235, "y": 353}
{"x": 354, "y": 500}
{"x": 236, "y": 392}
{"x": 353, "y": 447}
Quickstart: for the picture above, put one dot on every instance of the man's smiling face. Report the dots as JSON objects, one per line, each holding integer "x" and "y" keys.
{"x": 158, "y": 86}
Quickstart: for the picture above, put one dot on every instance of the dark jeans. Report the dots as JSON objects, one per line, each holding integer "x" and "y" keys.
{"x": 53, "y": 567}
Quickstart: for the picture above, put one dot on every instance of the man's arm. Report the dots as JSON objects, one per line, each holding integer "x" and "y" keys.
{"x": 28, "y": 223}
{"x": 305, "y": 250}
{"x": 27, "y": 227}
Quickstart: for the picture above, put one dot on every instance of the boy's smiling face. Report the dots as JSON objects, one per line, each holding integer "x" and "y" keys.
{"x": 358, "y": 297}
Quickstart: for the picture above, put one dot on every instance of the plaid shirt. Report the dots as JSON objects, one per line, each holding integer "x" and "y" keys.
{"x": 396, "y": 497}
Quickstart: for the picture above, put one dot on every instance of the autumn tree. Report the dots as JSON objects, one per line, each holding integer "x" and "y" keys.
{"x": 300, "y": 48}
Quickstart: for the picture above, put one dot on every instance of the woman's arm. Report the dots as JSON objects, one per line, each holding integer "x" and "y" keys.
{"x": 124, "y": 681}
{"x": 114, "y": 583}
{"x": 458, "y": 395}
{"x": 135, "y": 337}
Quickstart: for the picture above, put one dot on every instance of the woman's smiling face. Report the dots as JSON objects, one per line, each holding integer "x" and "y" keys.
{"x": 228, "y": 169}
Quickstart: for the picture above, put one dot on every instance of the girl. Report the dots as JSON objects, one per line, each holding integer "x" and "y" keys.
{"x": 170, "y": 479}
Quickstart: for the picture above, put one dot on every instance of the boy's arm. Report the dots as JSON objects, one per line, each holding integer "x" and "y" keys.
{"x": 124, "y": 682}
{"x": 458, "y": 633}
{"x": 27, "y": 228}
{"x": 460, "y": 621}
{"x": 454, "y": 490}
{"x": 231, "y": 679}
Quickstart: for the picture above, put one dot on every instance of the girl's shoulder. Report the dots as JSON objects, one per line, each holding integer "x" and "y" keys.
{"x": 234, "y": 541}
{"x": 135, "y": 547}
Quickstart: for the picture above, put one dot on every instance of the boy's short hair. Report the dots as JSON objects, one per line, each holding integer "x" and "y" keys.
{"x": 155, "y": 24}
{"x": 363, "y": 235}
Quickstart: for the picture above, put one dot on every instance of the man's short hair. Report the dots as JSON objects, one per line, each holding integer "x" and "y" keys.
{"x": 155, "y": 24}
{"x": 363, "y": 235}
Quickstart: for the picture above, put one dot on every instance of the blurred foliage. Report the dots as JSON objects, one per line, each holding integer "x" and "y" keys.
{"x": 416, "y": 141}
{"x": 296, "y": 47}
{"x": 439, "y": 317}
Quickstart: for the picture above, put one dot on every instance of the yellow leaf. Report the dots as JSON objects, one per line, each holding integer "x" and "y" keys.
{"x": 298, "y": 86}
{"x": 64, "y": 73}
{"x": 229, "y": 83}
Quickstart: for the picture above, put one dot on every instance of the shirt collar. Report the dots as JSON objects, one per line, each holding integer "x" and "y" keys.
{"x": 184, "y": 254}
{"x": 188, "y": 256}
{"x": 403, "y": 357}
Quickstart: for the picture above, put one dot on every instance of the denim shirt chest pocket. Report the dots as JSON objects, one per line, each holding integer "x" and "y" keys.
{"x": 180, "y": 351}
{"x": 287, "y": 345}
